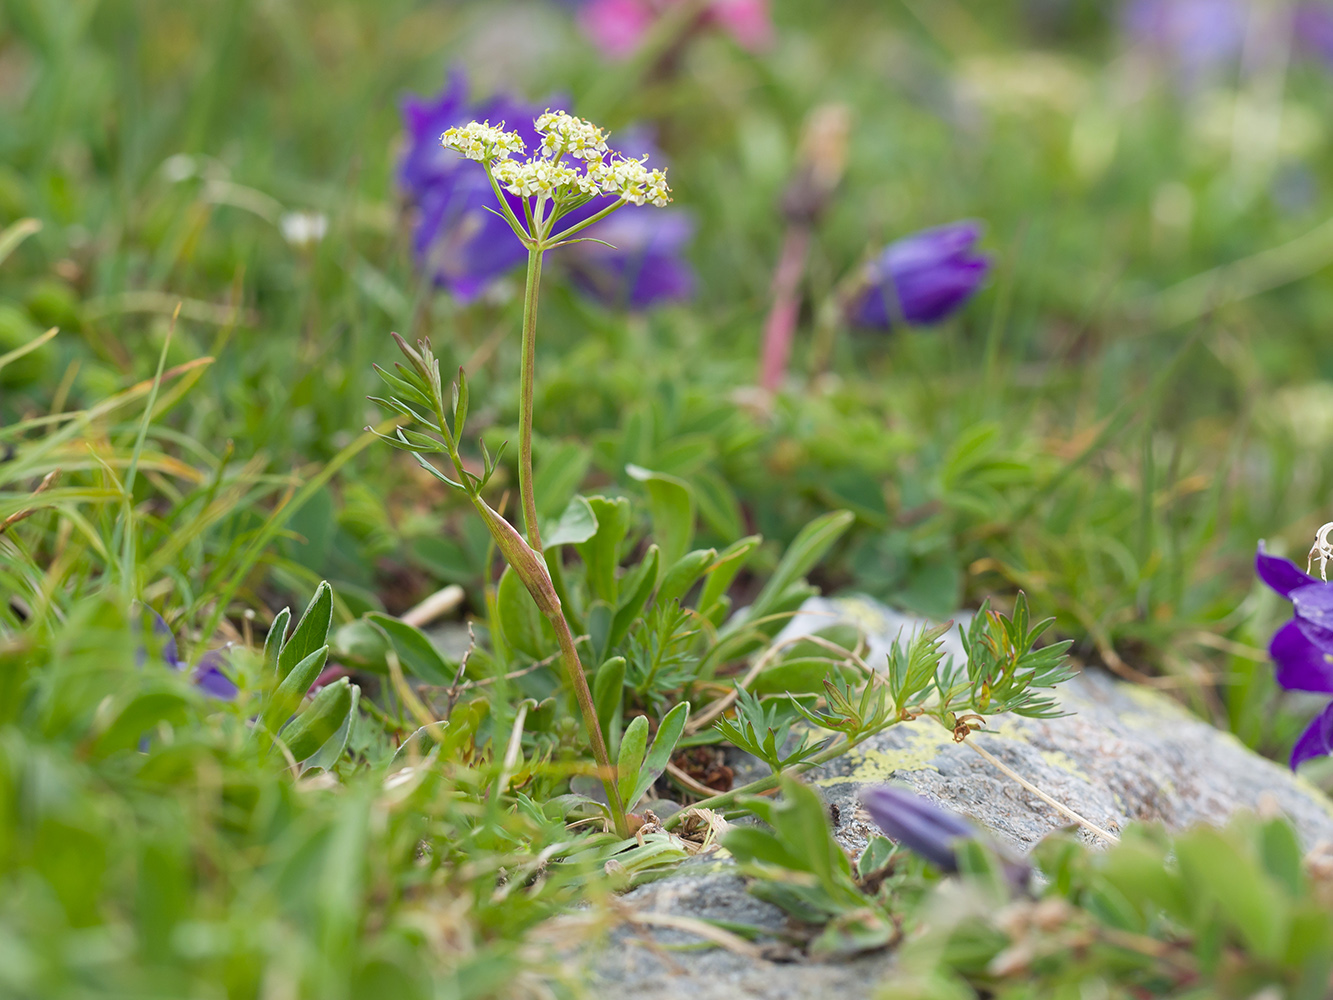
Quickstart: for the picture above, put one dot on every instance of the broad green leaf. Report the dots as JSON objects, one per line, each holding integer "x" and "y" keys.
{"x": 678, "y": 579}
{"x": 724, "y": 571}
{"x": 525, "y": 628}
{"x": 361, "y": 644}
{"x": 576, "y": 525}
{"x": 640, "y": 584}
{"x": 808, "y": 548}
{"x": 801, "y": 819}
{"x": 336, "y": 745}
{"x": 1113, "y": 908}
{"x": 1214, "y": 869}
{"x": 1282, "y": 855}
{"x": 633, "y": 745}
{"x": 277, "y": 635}
{"x": 318, "y": 721}
{"x": 876, "y": 855}
{"x": 600, "y": 616}
{"x": 749, "y": 845}
{"x": 283, "y": 702}
{"x": 416, "y": 652}
{"x": 852, "y": 933}
{"x": 601, "y": 553}
{"x": 668, "y": 735}
{"x": 798, "y": 675}
{"x": 672, "y": 505}
{"x": 718, "y": 505}
{"x": 608, "y": 689}
{"x": 1140, "y": 872}
{"x": 311, "y": 632}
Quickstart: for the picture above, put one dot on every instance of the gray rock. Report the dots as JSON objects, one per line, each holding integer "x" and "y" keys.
{"x": 646, "y": 964}
{"x": 1125, "y": 753}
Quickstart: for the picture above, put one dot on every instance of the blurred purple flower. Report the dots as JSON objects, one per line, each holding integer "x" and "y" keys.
{"x": 643, "y": 264}
{"x": 924, "y": 828}
{"x": 208, "y": 674}
{"x": 468, "y": 246}
{"x": 1302, "y": 649}
{"x": 618, "y": 27}
{"x": 917, "y": 824}
{"x": 1312, "y": 29}
{"x": 162, "y": 639}
{"x": 922, "y": 278}
{"x": 1199, "y": 36}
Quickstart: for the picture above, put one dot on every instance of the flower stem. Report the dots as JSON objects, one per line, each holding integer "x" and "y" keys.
{"x": 525, "y": 391}
{"x": 578, "y": 227}
{"x": 569, "y": 656}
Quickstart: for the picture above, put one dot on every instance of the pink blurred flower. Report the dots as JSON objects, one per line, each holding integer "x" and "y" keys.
{"x": 618, "y": 27}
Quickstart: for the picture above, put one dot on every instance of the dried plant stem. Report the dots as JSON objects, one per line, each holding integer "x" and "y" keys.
{"x": 700, "y": 928}
{"x": 1060, "y": 807}
{"x": 697, "y": 787}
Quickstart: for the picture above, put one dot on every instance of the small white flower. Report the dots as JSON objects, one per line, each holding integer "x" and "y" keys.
{"x": 301, "y": 229}
{"x": 563, "y": 133}
{"x": 632, "y": 181}
{"x": 541, "y": 177}
{"x": 482, "y": 141}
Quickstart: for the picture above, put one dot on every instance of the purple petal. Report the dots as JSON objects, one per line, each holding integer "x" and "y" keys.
{"x": 163, "y": 638}
{"x": 1198, "y": 36}
{"x": 1301, "y": 664}
{"x": 643, "y": 266}
{"x": 1280, "y": 574}
{"x": 1313, "y": 604}
{"x": 209, "y": 674}
{"x": 465, "y": 245}
{"x": 924, "y": 277}
{"x": 1312, "y": 28}
{"x": 1316, "y": 741}
{"x": 917, "y": 824}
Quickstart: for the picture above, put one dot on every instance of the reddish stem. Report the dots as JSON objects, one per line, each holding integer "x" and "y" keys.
{"x": 780, "y": 328}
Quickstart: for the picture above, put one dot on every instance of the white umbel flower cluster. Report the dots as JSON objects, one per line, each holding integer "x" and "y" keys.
{"x": 483, "y": 141}
{"x": 562, "y": 134}
{"x": 547, "y": 174}
{"x": 633, "y": 181}
{"x": 541, "y": 177}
